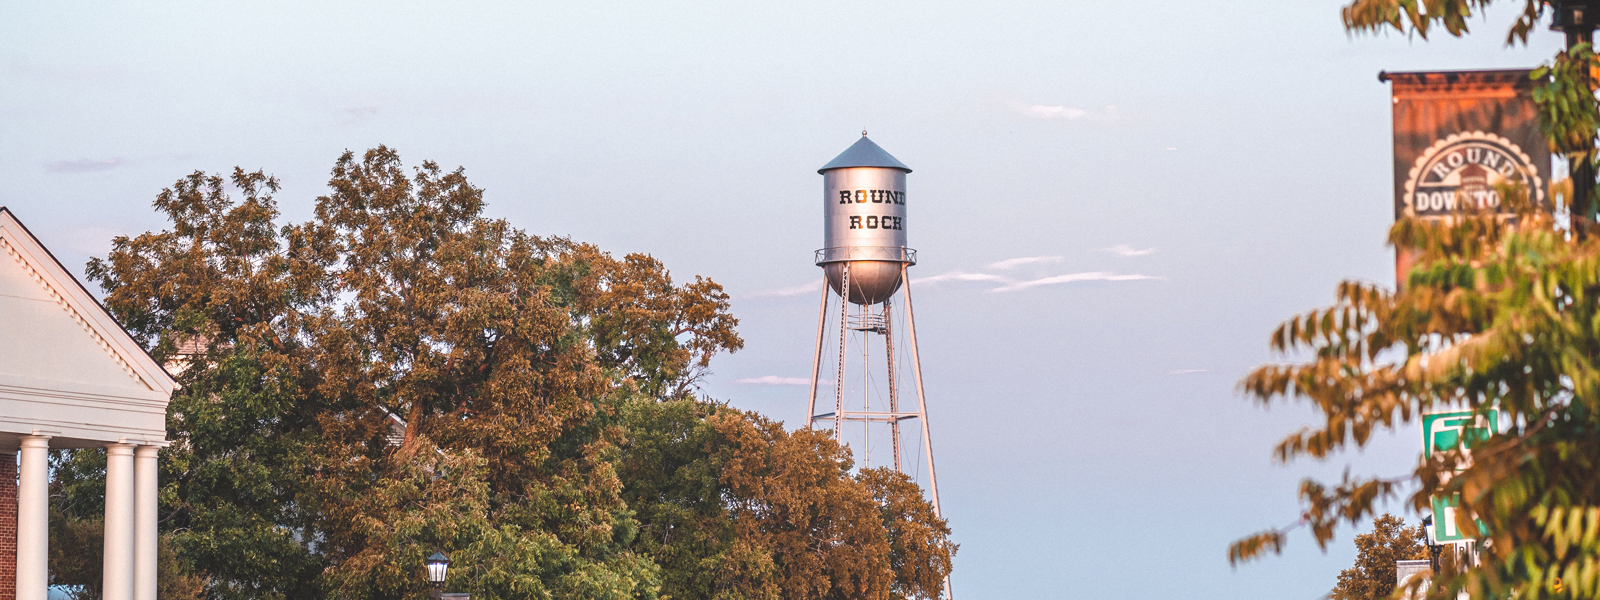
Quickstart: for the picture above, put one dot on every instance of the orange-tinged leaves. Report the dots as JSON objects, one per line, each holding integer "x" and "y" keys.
{"x": 1500, "y": 315}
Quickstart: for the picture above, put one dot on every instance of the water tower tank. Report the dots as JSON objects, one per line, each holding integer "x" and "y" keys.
{"x": 864, "y": 222}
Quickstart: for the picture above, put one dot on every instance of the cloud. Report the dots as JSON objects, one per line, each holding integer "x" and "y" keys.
{"x": 1012, "y": 285}
{"x": 1187, "y": 371}
{"x": 1126, "y": 250}
{"x": 1051, "y": 112}
{"x": 773, "y": 380}
{"x": 1072, "y": 278}
{"x": 84, "y": 165}
{"x": 793, "y": 290}
{"x": 1045, "y": 111}
{"x": 959, "y": 276}
{"x": 358, "y": 114}
{"x": 1025, "y": 260}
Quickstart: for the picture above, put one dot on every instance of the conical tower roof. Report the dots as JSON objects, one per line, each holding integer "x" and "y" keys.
{"x": 864, "y": 153}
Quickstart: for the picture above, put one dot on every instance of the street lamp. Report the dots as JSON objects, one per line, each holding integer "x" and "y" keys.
{"x": 1433, "y": 548}
{"x": 438, "y": 566}
{"x": 1576, "y": 18}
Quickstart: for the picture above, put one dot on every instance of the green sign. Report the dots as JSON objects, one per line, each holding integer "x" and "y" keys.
{"x": 1446, "y": 431}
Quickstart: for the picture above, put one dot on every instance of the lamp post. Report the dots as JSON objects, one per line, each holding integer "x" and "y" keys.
{"x": 438, "y": 566}
{"x": 1433, "y": 548}
{"x": 1577, "y": 19}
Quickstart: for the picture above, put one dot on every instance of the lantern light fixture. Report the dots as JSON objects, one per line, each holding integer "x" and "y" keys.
{"x": 1576, "y": 18}
{"x": 438, "y": 566}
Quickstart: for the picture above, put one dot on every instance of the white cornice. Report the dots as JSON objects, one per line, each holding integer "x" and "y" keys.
{"x": 20, "y": 245}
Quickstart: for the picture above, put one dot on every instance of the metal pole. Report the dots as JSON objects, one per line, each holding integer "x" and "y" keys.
{"x": 816, "y": 359}
{"x": 922, "y": 402}
{"x": 922, "y": 411}
{"x": 844, "y": 332}
{"x": 894, "y": 390}
{"x": 866, "y": 387}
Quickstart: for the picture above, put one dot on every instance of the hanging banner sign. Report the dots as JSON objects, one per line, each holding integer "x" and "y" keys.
{"x": 1457, "y": 136}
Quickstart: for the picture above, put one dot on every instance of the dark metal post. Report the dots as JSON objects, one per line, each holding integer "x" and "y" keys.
{"x": 1433, "y": 549}
{"x": 1577, "y": 19}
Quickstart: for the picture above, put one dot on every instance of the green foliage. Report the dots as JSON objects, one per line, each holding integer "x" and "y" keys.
{"x": 735, "y": 507}
{"x": 1372, "y": 577}
{"x": 442, "y": 500}
{"x": 1496, "y": 316}
{"x": 1567, "y": 111}
{"x": 218, "y": 298}
{"x": 1499, "y": 314}
{"x": 76, "y": 563}
{"x": 637, "y": 317}
{"x": 535, "y": 378}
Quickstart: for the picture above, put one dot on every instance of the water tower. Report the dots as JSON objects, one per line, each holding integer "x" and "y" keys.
{"x": 866, "y": 334}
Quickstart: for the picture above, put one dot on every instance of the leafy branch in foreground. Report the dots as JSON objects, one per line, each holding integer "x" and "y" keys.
{"x": 1499, "y": 314}
{"x": 1568, "y": 115}
{"x": 1420, "y": 16}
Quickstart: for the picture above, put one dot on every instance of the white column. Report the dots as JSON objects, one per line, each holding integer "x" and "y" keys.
{"x": 145, "y": 542}
{"x": 119, "y": 523}
{"x": 33, "y": 519}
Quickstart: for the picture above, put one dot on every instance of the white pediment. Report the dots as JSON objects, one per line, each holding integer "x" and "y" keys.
{"x": 66, "y": 368}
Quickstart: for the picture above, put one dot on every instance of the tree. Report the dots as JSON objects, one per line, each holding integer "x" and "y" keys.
{"x": 1499, "y": 314}
{"x": 219, "y": 294}
{"x": 514, "y": 365}
{"x": 466, "y": 327}
{"x": 1372, "y": 577}
{"x": 734, "y": 506}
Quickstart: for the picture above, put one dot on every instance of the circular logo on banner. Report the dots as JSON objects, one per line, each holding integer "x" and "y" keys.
{"x": 1466, "y": 167}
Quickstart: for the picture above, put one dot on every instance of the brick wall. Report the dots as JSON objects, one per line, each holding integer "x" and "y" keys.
{"x": 8, "y": 526}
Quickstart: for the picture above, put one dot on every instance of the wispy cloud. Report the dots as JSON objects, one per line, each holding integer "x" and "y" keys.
{"x": 996, "y": 282}
{"x": 84, "y": 165}
{"x": 1072, "y": 278}
{"x": 1046, "y": 111}
{"x": 1012, "y": 263}
{"x": 1188, "y": 371}
{"x": 773, "y": 380}
{"x": 1126, "y": 250}
{"x": 358, "y": 114}
{"x": 959, "y": 276}
{"x": 1054, "y": 112}
{"x": 793, "y": 290}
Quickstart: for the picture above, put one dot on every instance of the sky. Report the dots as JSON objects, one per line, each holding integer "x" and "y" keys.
{"x": 1115, "y": 204}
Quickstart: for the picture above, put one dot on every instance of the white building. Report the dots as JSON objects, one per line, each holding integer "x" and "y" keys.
{"x": 70, "y": 377}
{"x": 1405, "y": 570}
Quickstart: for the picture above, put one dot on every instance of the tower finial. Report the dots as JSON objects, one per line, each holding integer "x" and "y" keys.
{"x": 863, "y": 133}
